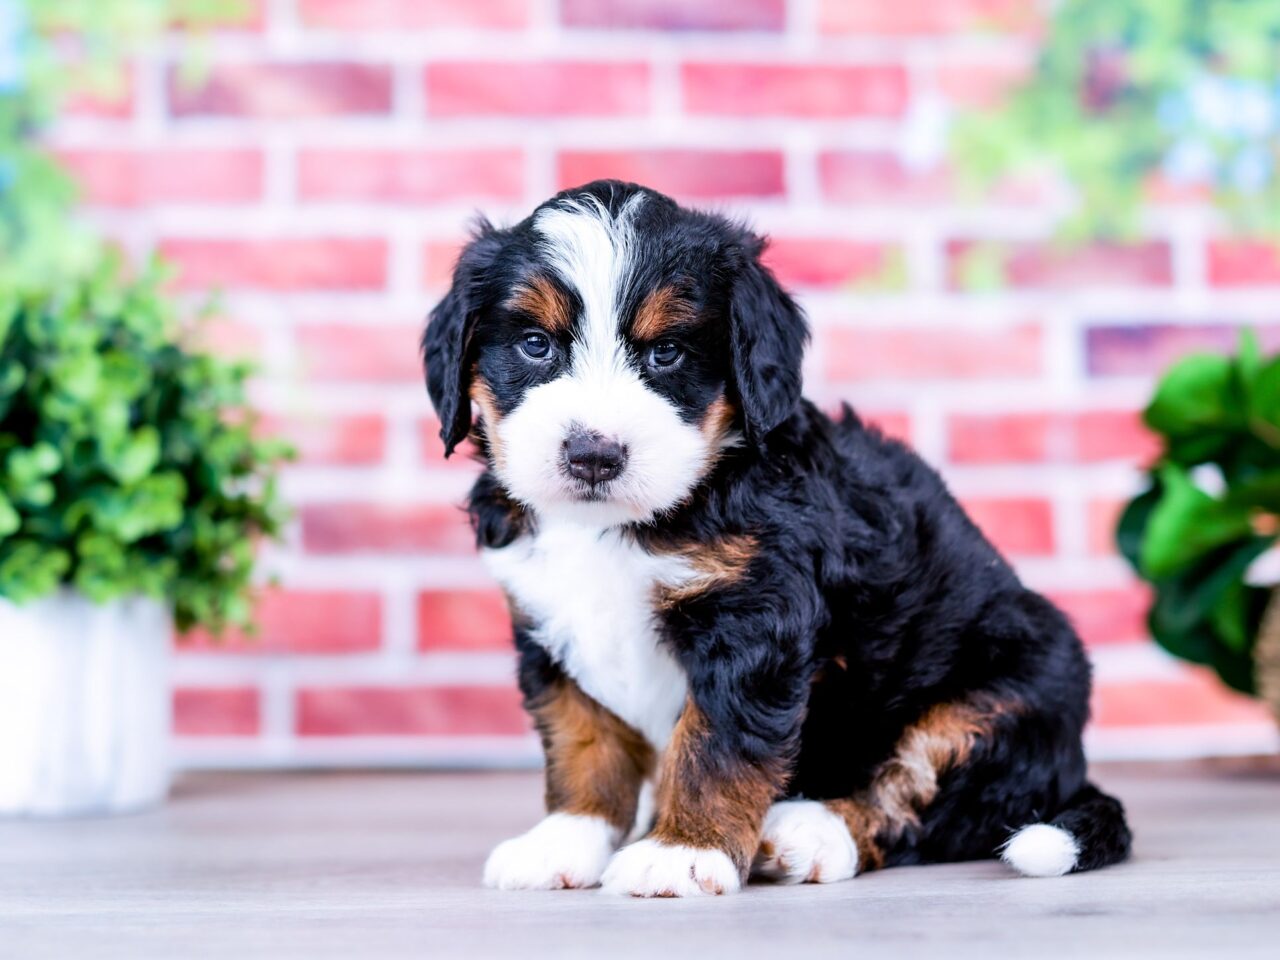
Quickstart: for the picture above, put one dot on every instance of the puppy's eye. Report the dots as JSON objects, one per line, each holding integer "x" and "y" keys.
{"x": 535, "y": 346}
{"x": 665, "y": 353}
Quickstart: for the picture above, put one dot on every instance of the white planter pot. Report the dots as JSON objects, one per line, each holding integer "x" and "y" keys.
{"x": 84, "y": 706}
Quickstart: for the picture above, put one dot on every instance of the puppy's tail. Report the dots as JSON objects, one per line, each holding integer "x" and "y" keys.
{"x": 1088, "y": 832}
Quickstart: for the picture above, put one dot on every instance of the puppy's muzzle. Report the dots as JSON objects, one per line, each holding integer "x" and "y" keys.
{"x": 590, "y": 457}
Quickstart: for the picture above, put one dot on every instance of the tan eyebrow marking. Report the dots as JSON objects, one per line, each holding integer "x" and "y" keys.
{"x": 662, "y": 309}
{"x": 541, "y": 300}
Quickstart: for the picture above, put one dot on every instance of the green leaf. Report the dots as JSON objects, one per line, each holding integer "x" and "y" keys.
{"x": 1248, "y": 357}
{"x": 1230, "y": 615}
{"x": 1198, "y": 391}
{"x": 1264, "y": 403}
{"x": 135, "y": 456}
{"x": 1187, "y": 523}
{"x": 9, "y": 519}
{"x": 1185, "y": 601}
{"x": 1234, "y": 667}
{"x": 12, "y": 376}
{"x": 29, "y": 464}
{"x": 77, "y": 375}
{"x": 1133, "y": 525}
{"x": 1259, "y": 491}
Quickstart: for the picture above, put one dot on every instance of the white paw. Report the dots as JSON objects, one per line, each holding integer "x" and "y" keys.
{"x": 1041, "y": 850}
{"x": 564, "y": 850}
{"x": 650, "y": 868}
{"x": 804, "y": 842}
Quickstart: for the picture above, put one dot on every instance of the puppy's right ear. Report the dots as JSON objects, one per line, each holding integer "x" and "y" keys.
{"x": 448, "y": 335}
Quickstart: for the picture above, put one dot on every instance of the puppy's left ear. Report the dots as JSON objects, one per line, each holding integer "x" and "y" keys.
{"x": 768, "y": 336}
{"x": 448, "y": 334}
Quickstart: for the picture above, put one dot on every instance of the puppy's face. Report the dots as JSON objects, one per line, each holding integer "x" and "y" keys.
{"x": 603, "y": 342}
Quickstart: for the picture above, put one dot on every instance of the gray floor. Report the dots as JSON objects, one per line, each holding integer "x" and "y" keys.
{"x": 373, "y": 865}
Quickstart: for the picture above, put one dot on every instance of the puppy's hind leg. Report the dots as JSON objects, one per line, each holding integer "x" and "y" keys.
{"x": 810, "y": 842}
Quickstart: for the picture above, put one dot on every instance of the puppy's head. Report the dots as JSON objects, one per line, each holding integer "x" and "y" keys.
{"x": 612, "y": 345}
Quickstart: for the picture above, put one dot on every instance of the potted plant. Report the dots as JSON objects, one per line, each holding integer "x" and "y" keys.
{"x": 132, "y": 487}
{"x": 132, "y": 492}
{"x": 1202, "y": 530}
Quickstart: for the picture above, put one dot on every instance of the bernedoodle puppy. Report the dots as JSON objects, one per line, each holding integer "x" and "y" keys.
{"x": 754, "y": 640}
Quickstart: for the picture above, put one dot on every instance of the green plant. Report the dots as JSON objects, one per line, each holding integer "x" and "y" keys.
{"x": 1129, "y": 91}
{"x": 1211, "y": 508}
{"x": 128, "y": 462}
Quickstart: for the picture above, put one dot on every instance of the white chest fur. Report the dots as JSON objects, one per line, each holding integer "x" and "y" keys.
{"x": 591, "y": 594}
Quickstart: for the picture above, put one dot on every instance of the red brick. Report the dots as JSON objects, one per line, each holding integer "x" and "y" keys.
{"x": 1102, "y": 517}
{"x": 824, "y": 261}
{"x": 280, "y": 264}
{"x": 1144, "y": 349}
{"x": 332, "y": 439}
{"x": 757, "y": 89}
{"x": 433, "y": 449}
{"x": 1089, "y": 436}
{"x": 336, "y": 351}
{"x": 1110, "y": 616}
{"x": 878, "y": 176}
{"x": 410, "y": 711}
{"x": 1244, "y": 263}
{"x": 981, "y": 85}
{"x": 348, "y": 15}
{"x": 1004, "y": 437}
{"x": 1114, "y": 435}
{"x": 283, "y": 91}
{"x": 933, "y": 353}
{"x": 892, "y": 423}
{"x": 414, "y": 176}
{"x": 1198, "y": 698}
{"x": 342, "y": 528}
{"x": 1042, "y": 266}
{"x": 902, "y": 17}
{"x": 131, "y": 178}
{"x": 1018, "y": 526}
{"x": 438, "y": 260}
{"x": 216, "y": 712}
{"x": 463, "y": 620}
{"x": 292, "y": 621}
{"x": 689, "y": 174}
{"x": 537, "y": 88}
{"x": 675, "y": 14}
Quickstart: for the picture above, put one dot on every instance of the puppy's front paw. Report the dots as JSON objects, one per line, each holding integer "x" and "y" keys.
{"x": 804, "y": 842}
{"x": 651, "y": 868}
{"x": 564, "y": 850}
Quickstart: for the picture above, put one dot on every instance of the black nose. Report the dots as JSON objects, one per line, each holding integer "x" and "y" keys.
{"x": 592, "y": 458}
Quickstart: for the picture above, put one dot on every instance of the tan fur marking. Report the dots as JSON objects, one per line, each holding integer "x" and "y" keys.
{"x": 907, "y": 782}
{"x": 541, "y": 300}
{"x": 718, "y": 421}
{"x": 662, "y": 309}
{"x": 595, "y": 762}
{"x": 700, "y": 806}
{"x": 716, "y": 565}
{"x": 482, "y": 396}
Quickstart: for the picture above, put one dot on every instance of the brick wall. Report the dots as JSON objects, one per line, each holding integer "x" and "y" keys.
{"x": 322, "y": 172}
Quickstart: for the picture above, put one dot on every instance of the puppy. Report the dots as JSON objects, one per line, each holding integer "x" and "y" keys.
{"x": 762, "y": 641}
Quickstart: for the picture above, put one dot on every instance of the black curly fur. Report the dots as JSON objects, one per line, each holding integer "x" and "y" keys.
{"x": 871, "y": 597}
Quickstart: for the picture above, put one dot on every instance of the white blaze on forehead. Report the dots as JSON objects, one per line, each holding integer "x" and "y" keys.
{"x": 591, "y": 249}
